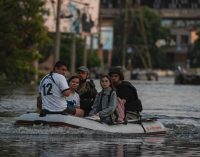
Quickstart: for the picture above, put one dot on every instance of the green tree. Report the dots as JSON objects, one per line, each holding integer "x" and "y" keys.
{"x": 143, "y": 30}
{"x": 66, "y": 48}
{"x": 22, "y": 36}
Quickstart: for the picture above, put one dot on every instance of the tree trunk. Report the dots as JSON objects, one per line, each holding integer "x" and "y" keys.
{"x": 57, "y": 38}
{"x": 73, "y": 54}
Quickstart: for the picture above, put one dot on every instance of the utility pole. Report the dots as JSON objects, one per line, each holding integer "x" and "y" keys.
{"x": 146, "y": 47}
{"x": 100, "y": 45}
{"x": 73, "y": 54}
{"x": 57, "y": 38}
{"x": 125, "y": 35}
{"x": 85, "y": 51}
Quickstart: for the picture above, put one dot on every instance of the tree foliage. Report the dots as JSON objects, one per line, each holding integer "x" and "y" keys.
{"x": 22, "y": 36}
{"x": 143, "y": 30}
{"x": 66, "y": 50}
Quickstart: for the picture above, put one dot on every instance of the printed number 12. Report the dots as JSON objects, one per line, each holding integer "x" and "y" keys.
{"x": 47, "y": 89}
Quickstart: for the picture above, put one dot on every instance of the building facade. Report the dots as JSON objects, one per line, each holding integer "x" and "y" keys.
{"x": 182, "y": 17}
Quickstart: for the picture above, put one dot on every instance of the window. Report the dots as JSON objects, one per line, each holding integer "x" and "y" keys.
{"x": 184, "y": 40}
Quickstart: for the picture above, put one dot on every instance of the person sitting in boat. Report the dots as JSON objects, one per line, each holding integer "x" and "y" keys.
{"x": 73, "y": 100}
{"x": 125, "y": 90}
{"x": 86, "y": 90}
{"x": 105, "y": 102}
{"x": 54, "y": 89}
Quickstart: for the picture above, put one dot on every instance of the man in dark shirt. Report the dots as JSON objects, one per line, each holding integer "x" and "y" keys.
{"x": 125, "y": 90}
{"x": 86, "y": 90}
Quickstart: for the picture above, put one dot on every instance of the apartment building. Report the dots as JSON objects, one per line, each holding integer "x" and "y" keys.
{"x": 181, "y": 16}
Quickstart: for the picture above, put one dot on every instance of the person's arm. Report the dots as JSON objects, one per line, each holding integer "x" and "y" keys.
{"x": 77, "y": 99}
{"x": 130, "y": 95}
{"x": 39, "y": 102}
{"x": 66, "y": 92}
{"x": 93, "y": 91}
{"x": 125, "y": 92}
{"x": 61, "y": 82}
{"x": 95, "y": 105}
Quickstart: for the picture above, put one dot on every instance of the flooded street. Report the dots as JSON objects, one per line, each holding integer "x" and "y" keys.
{"x": 176, "y": 106}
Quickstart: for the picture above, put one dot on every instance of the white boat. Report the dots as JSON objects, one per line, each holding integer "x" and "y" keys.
{"x": 145, "y": 126}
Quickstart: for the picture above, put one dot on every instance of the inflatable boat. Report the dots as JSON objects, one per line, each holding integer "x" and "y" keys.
{"x": 144, "y": 126}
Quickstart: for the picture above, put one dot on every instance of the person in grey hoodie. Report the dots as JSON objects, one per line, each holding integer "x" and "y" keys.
{"x": 105, "y": 102}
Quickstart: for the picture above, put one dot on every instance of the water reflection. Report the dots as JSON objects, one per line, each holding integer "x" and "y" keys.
{"x": 50, "y": 146}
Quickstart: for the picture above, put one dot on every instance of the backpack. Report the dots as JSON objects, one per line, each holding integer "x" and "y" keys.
{"x": 120, "y": 110}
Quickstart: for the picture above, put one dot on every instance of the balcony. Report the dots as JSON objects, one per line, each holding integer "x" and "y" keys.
{"x": 174, "y": 49}
{"x": 165, "y": 13}
{"x": 179, "y": 13}
{"x": 110, "y": 13}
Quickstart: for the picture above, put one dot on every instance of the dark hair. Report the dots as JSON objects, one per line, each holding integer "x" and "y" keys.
{"x": 116, "y": 70}
{"x": 73, "y": 77}
{"x": 108, "y": 77}
{"x": 58, "y": 64}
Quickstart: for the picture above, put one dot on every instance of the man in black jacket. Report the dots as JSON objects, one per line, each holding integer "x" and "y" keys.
{"x": 125, "y": 90}
{"x": 86, "y": 90}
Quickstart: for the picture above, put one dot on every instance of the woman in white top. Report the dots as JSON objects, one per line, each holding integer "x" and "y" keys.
{"x": 73, "y": 100}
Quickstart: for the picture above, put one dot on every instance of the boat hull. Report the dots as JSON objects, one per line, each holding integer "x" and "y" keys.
{"x": 147, "y": 126}
{"x": 187, "y": 79}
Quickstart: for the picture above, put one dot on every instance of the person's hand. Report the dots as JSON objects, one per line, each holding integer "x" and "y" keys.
{"x": 97, "y": 114}
{"x": 67, "y": 92}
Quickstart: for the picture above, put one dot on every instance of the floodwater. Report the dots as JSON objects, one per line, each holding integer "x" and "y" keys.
{"x": 176, "y": 106}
